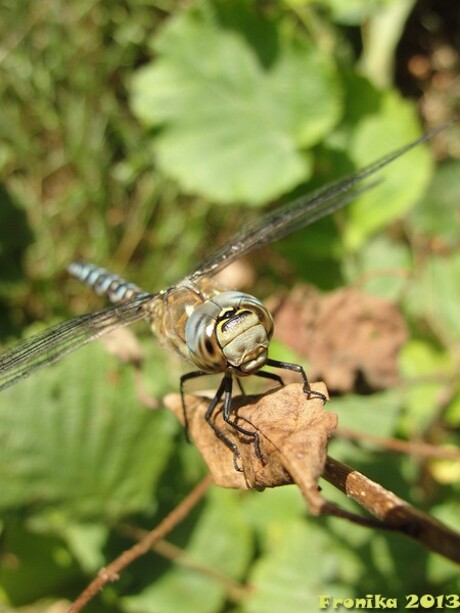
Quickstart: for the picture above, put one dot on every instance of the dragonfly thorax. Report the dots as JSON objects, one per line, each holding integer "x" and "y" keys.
{"x": 229, "y": 333}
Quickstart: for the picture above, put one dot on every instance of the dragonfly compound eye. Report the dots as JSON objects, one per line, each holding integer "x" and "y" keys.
{"x": 230, "y": 333}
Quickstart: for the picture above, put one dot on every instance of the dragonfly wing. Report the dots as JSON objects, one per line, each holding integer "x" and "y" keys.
{"x": 281, "y": 222}
{"x": 56, "y": 342}
{"x": 299, "y": 213}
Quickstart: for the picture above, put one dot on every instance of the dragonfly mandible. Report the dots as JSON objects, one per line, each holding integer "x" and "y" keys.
{"x": 215, "y": 329}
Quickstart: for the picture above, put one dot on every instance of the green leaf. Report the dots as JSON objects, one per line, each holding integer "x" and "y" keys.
{"x": 376, "y": 414}
{"x": 295, "y": 571}
{"x": 403, "y": 181}
{"x": 437, "y": 215}
{"x": 427, "y": 366}
{"x": 452, "y": 414}
{"x": 221, "y": 544}
{"x": 380, "y": 267}
{"x": 233, "y": 128}
{"x": 42, "y": 565}
{"x": 354, "y": 12}
{"x": 273, "y": 510}
{"x": 75, "y": 436}
{"x": 441, "y": 571}
{"x": 436, "y": 297}
{"x": 86, "y": 542}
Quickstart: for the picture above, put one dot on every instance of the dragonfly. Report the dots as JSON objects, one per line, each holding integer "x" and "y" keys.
{"x": 215, "y": 329}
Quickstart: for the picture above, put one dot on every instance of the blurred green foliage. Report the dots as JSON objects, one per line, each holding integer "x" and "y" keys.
{"x": 138, "y": 135}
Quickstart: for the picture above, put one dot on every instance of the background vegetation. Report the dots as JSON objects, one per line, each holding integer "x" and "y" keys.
{"x": 138, "y": 135}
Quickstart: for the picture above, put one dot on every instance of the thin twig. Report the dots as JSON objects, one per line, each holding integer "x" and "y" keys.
{"x": 234, "y": 591}
{"x": 293, "y": 434}
{"x": 111, "y": 572}
{"x": 420, "y": 449}
{"x": 395, "y": 512}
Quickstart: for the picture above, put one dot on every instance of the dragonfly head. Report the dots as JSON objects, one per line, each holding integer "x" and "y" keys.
{"x": 229, "y": 333}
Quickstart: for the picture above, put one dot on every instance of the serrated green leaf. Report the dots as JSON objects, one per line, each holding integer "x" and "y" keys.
{"x": 403, "y": 182}
{"x": 256, "y": 118}
{"x": 75, "y": 436}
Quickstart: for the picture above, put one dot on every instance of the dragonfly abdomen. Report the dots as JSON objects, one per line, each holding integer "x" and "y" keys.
{"x": 105, "y": 283}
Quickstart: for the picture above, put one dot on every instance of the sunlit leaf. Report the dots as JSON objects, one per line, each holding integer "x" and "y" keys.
{"x": 291, "y": 576}
{"x": 220, "y": 548}
{"x": 402, "y": 183}
{"x": 34, "y": 566}
{"x": 234, "y": 129}
{"x": 381, "y": 267}
{"x": 436, "y": 297}
{"x": 425, "y": 368}
{"x": 438, "y": 213}
{"x": 75, "y": 436}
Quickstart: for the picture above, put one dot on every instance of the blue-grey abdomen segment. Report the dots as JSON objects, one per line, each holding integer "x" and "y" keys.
{"x": 105, "y": 283}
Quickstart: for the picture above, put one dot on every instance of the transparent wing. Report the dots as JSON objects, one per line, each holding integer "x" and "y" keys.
{"x": 298, "y": 214}
{"x": 53, "y": 344}
{"x": 56, "y": 342}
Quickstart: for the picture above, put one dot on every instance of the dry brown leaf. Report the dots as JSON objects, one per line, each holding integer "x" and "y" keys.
{"x": 293, "y": 430}
{"x": 124, "y": 345}
{"x": 347, "y": 334}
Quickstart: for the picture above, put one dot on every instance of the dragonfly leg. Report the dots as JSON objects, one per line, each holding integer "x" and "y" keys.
{"x": 225, "y": 388}
{"x": 270, "y": 375}
{"x": 297, "y": 368}
{"x": 190, "y": 375}
{"x": 240, "y": 385}
{"x": 228, "y": 383}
